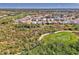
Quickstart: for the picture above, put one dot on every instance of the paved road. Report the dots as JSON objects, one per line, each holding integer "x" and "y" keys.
{"x": 43, "y": 36}
{"x": 54, "y": 33}
{"x": 65, "y": 31}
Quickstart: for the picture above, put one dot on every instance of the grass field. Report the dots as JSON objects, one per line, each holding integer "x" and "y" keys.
{"x": 61, "y": 43}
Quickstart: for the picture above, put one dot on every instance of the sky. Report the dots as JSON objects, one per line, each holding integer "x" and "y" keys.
{"x": 39, "y": 5}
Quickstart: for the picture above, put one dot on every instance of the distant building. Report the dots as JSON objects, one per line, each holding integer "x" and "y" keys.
{"x": 75, "y": 21}
{"x": 24, "y": 20}
{"x": 47, "y": 19}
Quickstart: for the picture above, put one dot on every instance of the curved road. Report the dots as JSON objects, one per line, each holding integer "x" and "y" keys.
{"x": 43, "y": 36}
{"x": 54, "y": 33}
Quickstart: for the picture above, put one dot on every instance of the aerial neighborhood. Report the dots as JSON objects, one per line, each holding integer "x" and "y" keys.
{"x": 50, "y": 18}
{"x": 39, "y": 31}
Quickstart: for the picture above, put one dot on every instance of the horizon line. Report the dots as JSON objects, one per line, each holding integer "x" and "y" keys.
{"x": 39, "y": 5}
